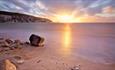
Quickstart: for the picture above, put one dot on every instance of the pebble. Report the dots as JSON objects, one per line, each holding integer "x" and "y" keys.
{"x": 19, "y": 59}
{"x": 76, "y": 67}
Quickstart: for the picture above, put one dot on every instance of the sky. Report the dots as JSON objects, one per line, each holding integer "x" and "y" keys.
{"x": 83, "y": 10}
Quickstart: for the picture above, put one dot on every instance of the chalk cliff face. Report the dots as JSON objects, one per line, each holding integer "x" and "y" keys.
{"x": 18, "y": 17}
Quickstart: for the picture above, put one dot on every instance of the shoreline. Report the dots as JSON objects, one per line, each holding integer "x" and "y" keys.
{"x": 48, "y": 58}
{"x": 43, "y": 58}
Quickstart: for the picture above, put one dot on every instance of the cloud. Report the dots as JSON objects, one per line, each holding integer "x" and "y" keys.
{"x": 39, "y": 4}
{"x": 99, "y": 3}
{"x": 32, "y": 7}
{"x": 93, "y": 6}
{"x": 107, "y": 11}
{"x": 96, "y": 19}
{"x": 102, "y": 9}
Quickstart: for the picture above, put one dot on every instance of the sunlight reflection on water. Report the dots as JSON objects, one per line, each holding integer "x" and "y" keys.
{"x": 66, "y": 40}
{"x": 67, "y": 36}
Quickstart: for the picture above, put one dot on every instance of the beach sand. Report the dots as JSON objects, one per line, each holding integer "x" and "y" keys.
{"x": 46, "y": 58}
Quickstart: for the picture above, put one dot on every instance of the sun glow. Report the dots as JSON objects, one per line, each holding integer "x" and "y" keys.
{"x": 65, "y": 18}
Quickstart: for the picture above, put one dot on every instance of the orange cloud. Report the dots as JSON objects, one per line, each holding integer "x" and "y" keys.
{"x": 96, "y": 19}
{"x": 108, "y": 9}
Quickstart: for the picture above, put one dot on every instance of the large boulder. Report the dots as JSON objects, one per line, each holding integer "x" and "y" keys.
{"x": 36, "y": 40}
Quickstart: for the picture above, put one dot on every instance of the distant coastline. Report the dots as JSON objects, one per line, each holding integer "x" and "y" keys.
{"x": 12, "y": 17}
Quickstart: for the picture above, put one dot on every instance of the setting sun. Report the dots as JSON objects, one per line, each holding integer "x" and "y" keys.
{"x": 65, "y": 18}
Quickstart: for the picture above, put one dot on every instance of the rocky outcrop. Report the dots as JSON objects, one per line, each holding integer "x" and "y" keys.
{"x": 8, "y": 44}
{"x": 36, "y": 40}
{"x": 18, "y": 17}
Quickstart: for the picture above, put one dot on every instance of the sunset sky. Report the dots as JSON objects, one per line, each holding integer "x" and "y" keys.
{"x": 62, "y": 10}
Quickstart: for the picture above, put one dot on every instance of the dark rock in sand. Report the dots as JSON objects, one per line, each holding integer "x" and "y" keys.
{"x": 27, "y": 43}
{"x": 36, "y": 40}
{"x": 17, "y": 42}
{"x": 76, "y": 67}
{"x": 15, "y": 46}
{"x": 4, "y": 44}
{"x": 6, "y": 49}
{"x": 9, "y": 41}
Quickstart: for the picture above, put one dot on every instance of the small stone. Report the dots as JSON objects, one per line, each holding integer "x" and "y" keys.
{"x": 11, "y": 48}
{"x": 27, "y": 43}
{"x": 6, "y": 49}
{"x": 76, "y": 67}
{"x": 15, "y": 46}
{"x": 19, "y": 59}
{"x": 9, "y": 41}
{"x": 9, "y": 65}
{"x": 17, "y": 42}
{"x": 38, "y": 61}
{"x": 4, "y": 44}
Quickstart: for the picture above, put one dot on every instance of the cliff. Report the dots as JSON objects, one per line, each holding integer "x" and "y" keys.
{"x": 18, "y": 17}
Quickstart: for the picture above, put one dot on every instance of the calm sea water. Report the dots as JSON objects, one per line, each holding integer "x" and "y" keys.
{"x": 94, "y": 42}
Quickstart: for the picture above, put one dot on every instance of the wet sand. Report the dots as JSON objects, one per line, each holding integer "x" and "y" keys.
{"x": 45, "y": 58}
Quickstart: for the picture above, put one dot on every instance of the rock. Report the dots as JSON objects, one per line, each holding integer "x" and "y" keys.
{"x": 41, "y": 44}
{"x": 4, "y": 44}
{"x": 76, "y": 67}
{"x": 38, "y": 61}
{"x": 27, "y": 43}
{"x": 6, "y": 49}
{"x": 12, "y": 48}
{"x": 16, "y": 44}
{"x": 19, "y": 59}
{"x": 1, "y": 41}
{"x": 9, "y": 65}
{"x": 9, "y": 41}
{"x": 36, "y": 40}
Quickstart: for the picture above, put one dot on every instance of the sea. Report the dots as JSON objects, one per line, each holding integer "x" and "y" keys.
{"x": 92, "y": 41}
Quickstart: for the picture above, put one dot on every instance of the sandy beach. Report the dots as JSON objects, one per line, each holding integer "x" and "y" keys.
{"x": 45, "y": 58}
{"x": 65, "y": 50}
